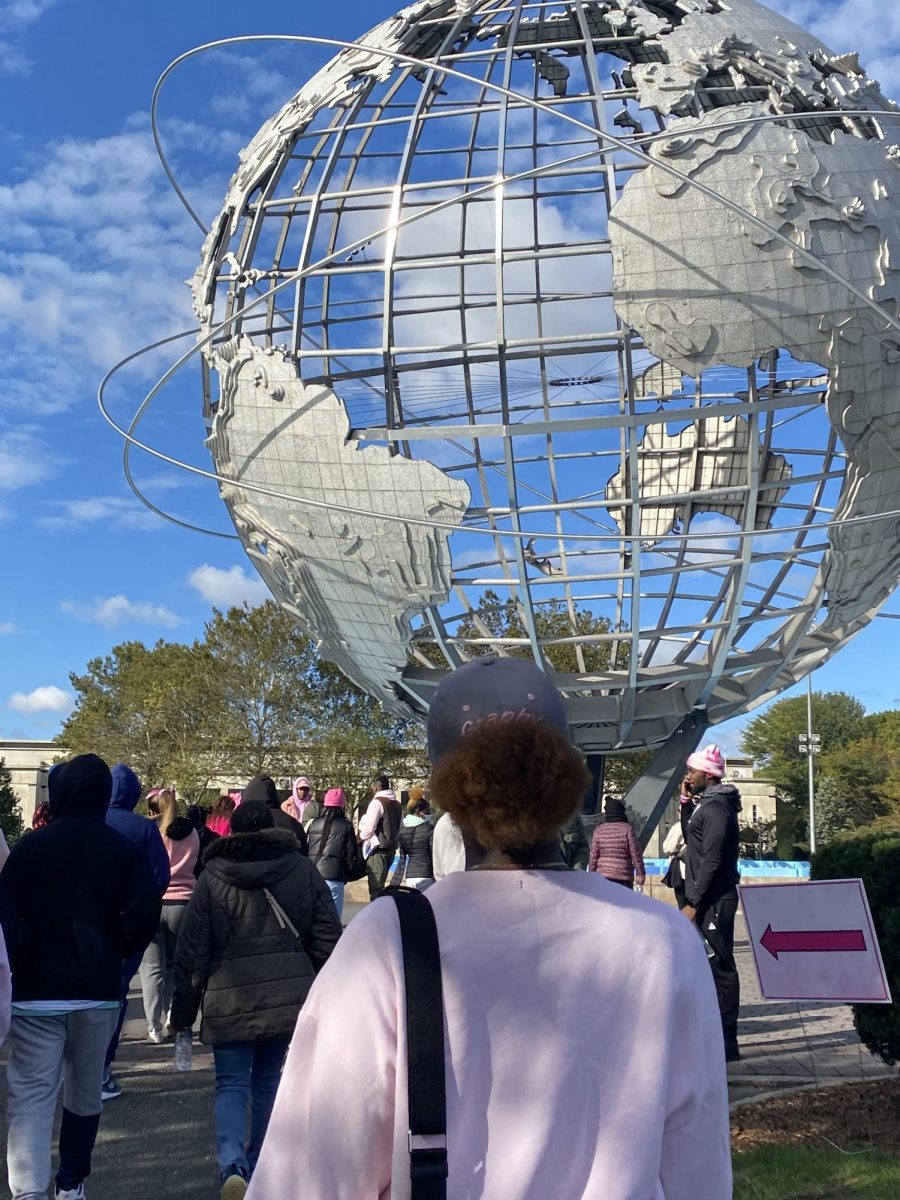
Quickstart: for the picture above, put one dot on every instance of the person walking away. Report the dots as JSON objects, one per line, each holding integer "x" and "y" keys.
{"x": 198, "y": 816}
{"x": 333, "y": 848}
{"x": 262, "y": 788}
{"x": 219, "y": 820}
{"x": 259, "y": 926}
{"x": 157, "y": 966}
{"x": 573, "y": 844}
{"x": 379, "y": 829}
{"x": 615, "y": 852}
{"x": 535, "y": 1111}
{"x": 77, "y": 898}
{"x": 448, "y": 851}
{"x": 41, "y": 816}
{"x": 145, "y": 836}
{"x": 712, "y": 876}
{"x": 302, "y": 804}
{"x": 416, "y": 867}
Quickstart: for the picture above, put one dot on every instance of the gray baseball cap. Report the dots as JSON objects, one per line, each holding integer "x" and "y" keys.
{"x": 491, "y": 690}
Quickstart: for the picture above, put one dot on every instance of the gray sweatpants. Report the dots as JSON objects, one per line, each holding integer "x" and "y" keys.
{"x": 44, "y": 1052}
{"x": 158, "y": 967}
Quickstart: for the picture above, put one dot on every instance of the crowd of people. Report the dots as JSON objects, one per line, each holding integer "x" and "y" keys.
{"x": 234, "y": 915}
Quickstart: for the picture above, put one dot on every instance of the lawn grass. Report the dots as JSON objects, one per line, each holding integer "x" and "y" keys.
{"x": 806, "y": 1173}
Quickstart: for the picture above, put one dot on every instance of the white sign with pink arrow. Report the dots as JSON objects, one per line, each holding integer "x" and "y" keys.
{"x": 815, "y": 941}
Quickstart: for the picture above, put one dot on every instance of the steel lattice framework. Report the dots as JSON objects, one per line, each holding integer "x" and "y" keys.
{"x": 566, "y": 304}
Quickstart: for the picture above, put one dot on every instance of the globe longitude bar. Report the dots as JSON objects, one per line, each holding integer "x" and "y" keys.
{"x": 615, "y": 354}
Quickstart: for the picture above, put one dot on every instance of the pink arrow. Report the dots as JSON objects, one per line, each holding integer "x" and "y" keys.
{"x": 812, "y": 941}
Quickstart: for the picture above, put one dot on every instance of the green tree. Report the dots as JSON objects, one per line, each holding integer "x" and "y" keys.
{"x": 495, "y": 617}
{"x": 10, "y": 812}
{"x": 252, "y": 697}
{"x": 771, "y": 739}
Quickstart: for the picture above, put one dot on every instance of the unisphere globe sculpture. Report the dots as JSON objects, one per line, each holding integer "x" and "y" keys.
{"x": 577, "y": 323}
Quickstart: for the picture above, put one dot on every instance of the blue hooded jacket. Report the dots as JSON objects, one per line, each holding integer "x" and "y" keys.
{"x": 144, "y": 833}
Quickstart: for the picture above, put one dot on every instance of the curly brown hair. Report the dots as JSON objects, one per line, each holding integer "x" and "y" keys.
{"x": 510, "y": 786}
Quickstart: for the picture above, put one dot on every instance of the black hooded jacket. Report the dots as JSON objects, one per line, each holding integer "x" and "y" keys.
{"x": 713, "y": 847}
{"x": 333, "y": 847}
{"x": 232, "y": 952}
{"x": 77, "y": 897}
{"x": 262, "y": 788}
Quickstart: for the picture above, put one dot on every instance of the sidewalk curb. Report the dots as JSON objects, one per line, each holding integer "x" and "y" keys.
{"x": 803, "y": 1087}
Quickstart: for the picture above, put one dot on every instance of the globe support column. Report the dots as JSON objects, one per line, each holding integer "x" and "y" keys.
{"x": 652, "y": 791}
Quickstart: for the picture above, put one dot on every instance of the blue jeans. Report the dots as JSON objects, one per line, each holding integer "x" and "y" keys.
{"x": 245, "y": 1070}
{"x": 337, "y": 894}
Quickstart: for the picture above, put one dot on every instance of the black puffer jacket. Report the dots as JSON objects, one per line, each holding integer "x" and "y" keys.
{"x": 415, "y": 840}
{"x": 338, "y": 856}
{"x": 76, "y": 896}
{"x": 262, "y": 788}
{"x": 232, "y": 952}
{"x": 713, "y": 846}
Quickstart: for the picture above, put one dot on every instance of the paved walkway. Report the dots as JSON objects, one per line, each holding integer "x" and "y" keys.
{"x": 156, "y": 1141}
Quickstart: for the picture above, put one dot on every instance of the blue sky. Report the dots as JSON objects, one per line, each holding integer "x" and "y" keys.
{"x": 95, "y": 251}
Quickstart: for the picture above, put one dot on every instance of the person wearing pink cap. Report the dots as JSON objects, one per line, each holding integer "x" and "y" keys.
{"x": 713, "y": 845}
{"x": 333, "y": 847}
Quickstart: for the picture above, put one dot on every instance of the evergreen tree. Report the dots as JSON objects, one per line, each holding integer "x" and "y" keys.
{"x": 10, "y": 812}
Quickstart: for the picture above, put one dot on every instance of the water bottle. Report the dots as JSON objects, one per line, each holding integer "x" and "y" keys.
{"x": 183, "y": 1050}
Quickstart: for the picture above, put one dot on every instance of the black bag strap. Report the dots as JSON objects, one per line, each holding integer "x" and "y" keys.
{"x": 425, "y": 1045}
{"x": 324, "y": 836}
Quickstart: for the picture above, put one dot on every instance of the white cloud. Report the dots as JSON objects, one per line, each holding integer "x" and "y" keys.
{"x": 111, "y": 611}
{"x": 43, "y": 699}
{"x": 24, "y": 460}
{"x": 15, "y": 17}
{"x": 225, "y": 589}
{"x": 6, "y": 628}
{"x": 113, "y": 512}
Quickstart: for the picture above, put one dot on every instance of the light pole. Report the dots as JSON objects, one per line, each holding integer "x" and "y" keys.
{"x": 810, "y": 745}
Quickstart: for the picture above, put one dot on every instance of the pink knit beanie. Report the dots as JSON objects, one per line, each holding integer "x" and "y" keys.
{"x": 709, "y": 760}
{"x": 334, "y": 798}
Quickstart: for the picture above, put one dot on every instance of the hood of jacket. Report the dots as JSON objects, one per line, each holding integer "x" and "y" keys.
{"x": 253, "y": 860}
{"x": 387, "y": 796}
{"x": 80, "y": 787}
{"x": 179, "y": 830}
{"x": 126, "y": 788}
{"x": 724, "y": 793}
{"x": 413, "y": 819}
{"x": 261, "y": 787}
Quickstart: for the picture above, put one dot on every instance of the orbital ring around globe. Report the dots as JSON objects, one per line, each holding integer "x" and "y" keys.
{"x": 377, "y": 593}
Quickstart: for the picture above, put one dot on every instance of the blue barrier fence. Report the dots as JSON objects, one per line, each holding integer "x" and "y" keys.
{"x": 749, "y": 867}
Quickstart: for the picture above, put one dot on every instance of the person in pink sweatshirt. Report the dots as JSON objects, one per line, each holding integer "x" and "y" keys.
{"x": 182, "y": 845}
{"x": 581, "y": 1048}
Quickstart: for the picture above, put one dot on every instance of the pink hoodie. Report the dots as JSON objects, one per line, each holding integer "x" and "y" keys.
{"x": 183, "y": 854}
{"x": 584, "y": 1052}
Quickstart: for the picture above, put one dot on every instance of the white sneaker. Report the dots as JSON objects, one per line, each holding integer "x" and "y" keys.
{"x": 155, "y": 1036}
{"x": 70, "y": 1193}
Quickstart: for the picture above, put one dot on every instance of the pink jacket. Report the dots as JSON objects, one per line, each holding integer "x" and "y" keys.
{"x": 542, "y": 1101}
{"x": 615, "y": 852}
{"x": 183, "y": 854}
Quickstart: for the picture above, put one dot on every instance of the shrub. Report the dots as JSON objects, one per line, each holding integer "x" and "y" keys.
{"x": 876, "y": 860}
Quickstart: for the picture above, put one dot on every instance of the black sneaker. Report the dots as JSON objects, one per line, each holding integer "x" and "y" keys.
{"x": 234, "y": 1183}
{"x": 110, "y": 1089}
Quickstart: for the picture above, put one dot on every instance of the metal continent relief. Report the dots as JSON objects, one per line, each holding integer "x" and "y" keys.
{"x": 743, "y": 292}
{"x": 353, "y": 582}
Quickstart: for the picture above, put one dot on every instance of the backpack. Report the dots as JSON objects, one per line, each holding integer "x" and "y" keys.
{"x": 388, "y": 830}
